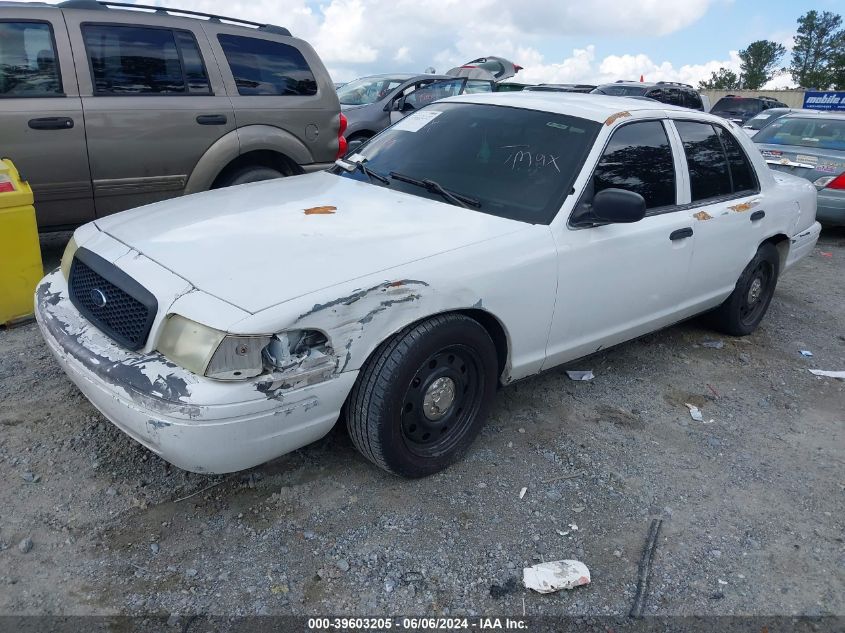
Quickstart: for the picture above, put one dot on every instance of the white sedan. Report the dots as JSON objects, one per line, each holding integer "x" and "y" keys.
{"x": 479, "y": 241}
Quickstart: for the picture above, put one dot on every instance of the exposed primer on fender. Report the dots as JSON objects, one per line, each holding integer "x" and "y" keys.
{"x": 360, "y": 294}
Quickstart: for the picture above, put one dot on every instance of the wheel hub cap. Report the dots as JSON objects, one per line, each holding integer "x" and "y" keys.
{"x": 438, "y": 398}
{"x": 755, "y": 290}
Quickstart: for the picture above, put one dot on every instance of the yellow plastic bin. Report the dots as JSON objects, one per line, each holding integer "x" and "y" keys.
{"x": 20, "y": 250}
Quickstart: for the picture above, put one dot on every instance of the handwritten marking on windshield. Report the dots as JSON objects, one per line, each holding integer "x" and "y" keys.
{"x": 524, "y": 158}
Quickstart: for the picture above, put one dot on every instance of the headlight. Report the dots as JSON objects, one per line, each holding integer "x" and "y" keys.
{"x": 67, "y": 258}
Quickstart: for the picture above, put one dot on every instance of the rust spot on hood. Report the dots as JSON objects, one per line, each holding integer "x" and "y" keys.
{"x": 615, "y": 117}
{"x": 702, "y": 215}
{"x": 327, "y": 210}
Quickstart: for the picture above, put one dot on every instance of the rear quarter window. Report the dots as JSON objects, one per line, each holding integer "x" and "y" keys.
{"x": 264, "y": 67}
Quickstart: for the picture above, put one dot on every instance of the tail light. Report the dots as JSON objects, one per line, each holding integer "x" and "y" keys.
{"x": 831, "y": 182}
{"x": 342, "y": 145}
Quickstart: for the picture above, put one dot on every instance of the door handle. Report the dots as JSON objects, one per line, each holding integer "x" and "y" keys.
{"x": 212, "y": 119}
{"x": 51, "y": 123}
{"x": 680, "y": 234}
{"x": 758, "y": 215}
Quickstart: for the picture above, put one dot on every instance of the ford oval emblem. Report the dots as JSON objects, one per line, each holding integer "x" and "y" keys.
{"x": 98, "y": 298}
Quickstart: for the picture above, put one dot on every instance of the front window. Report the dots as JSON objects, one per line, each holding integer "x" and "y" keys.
{"x": 805, "y": 132}
{"x": 28, "y": 65}
{"x": 367, "y": 90}
{"x": 620, "y": 91}
{"x": 516, "y": 163}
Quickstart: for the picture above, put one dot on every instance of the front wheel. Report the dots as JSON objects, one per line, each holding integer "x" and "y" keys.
{"x": 743, "y": 310}
{"x": 423, "y": 396}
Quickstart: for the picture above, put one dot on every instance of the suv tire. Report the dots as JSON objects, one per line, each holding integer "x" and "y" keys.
{"x": 423, "y": 396}
{"x": 743, "y": 310}
{"x": 247, "y": 174}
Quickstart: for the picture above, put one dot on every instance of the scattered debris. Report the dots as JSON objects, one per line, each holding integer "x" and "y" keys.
{"x": 828, "y": 374}
{"x": 30, "y": 478}
{"x": 579, "y": 509}
{"x": 580, "y": 375}
{"x": 577, "y": 473}
{"x": 556, "y": 575}
{"x": 713, "y": 344}
{"x": 713, "y": 390}
{"x": 25, "y": 546}
{"x": 806, "y": 352}
{"x": 326, "y": 210}
{"x": 826, "y": 254}
{"x": 694, "y": 412}
{"x": 343, "y": 564}
{"x": 155, "y": 548}
{"x": 573, "y": 527}
{"x": 644, "y": 571}
{"x": 522, "y": 492}
{"x": 722, "y": 582}
{"x": 500, "y": 591}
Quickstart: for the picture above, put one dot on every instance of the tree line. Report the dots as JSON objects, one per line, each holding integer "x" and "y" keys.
{"x": 818, "y": 58}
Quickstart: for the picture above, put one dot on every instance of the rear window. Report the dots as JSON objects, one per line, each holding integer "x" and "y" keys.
{"x": 519, "y": 164}
{"x": 818, "y": 132}
{"x": 28, "y": 65}
{"x": 737, "y": 105}
{"x": 130, "y": 60}
{"x": 763, "y": 119}
{"x": 263, "y": 67}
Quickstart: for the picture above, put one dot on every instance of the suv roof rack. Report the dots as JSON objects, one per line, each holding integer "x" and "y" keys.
{"x": 211, "y": 17}
{"x": 673, "y": 83}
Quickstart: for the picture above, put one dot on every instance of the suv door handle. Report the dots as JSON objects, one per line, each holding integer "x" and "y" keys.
{"x": 680, "y": 234}
{"x": 51, "y": 123}
{"x": 758, "y": 215}
{"x": 212, "y": 119}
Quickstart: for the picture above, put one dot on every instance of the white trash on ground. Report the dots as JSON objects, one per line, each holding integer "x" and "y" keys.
{"x": 828, "y": 374}
{"x": 556, "y": 575}
{"x": 806, "y": 352}
{"x": 580, "y": 375}
{"x": 713, "y": 344}
{"x": 694, "y": 412}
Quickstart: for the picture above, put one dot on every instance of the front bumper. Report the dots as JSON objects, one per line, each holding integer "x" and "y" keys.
{"x": 831, "y": 208}
{"x": 195, "y": 423}
{"x": 801, "y": 244}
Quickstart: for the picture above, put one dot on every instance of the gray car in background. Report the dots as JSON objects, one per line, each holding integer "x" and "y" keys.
{"x": 811, "y": 145}
{"x": 766, "y": 118}
{"x": 104, "y": 109}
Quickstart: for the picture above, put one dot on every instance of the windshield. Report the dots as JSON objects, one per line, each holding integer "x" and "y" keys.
{"x": 518, "y": 164}
{"x": 737, "y": 105}
{"x": 805, "y": 132}
{"x": 764, "y": 118}
{"x": 620, "y": 91}
{"x": 367, "y": 90}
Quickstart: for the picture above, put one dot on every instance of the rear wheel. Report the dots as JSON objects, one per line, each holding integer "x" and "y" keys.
{"x": 423, "y": 396}
{"x": 743, "y": 310}
{"x": 253, "y": 173}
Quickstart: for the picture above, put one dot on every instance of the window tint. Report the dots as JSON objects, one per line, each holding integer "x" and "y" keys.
{"x": 656, "y": 93}
{"x": 28, "y": 64}
{"x": 367, "y": 90}
{"x": 639, "y": 158}
{"x": 434, "y": 92}
{"x": 708, "y": 166}
{"x": 693, "y": 100}
{"x": 475, "y": 86}
{"x": 743, "y": 176}
{"x": 130, "y": 60}
{"x": 673, "y": 97}
{"x": 262, "y": 67}
{"x": 194, "y": 69}
{"x": 821, "y": 132}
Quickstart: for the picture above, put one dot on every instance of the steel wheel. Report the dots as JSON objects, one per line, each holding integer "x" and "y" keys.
{"x": 756, "y": 293}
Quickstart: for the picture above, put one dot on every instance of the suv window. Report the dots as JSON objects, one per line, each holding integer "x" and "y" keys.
{"x": 639, "y": 158}
{"x": 28, "y": 65}
{"x": 709, "y": 173}
{"x": 263, "y": 67}
{"x": 131, "y": 60}
{"x": 693, "y": 100}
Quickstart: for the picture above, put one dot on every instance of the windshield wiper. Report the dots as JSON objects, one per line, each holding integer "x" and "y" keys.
{"x": 369, "y": 173}
{"x": 436, "y": 187}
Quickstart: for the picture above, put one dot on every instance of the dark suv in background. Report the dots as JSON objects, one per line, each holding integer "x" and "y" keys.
{"x": 104, "y": 108}
{"x": 740, "y": 109}
{"x": 670, "y": 92}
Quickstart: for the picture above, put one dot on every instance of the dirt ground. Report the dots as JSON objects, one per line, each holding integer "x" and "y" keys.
{"x": 752, "y": 502}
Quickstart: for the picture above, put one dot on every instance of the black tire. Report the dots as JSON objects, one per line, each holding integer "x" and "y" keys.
{"x": 355, "y": 141}
{"x": 386, "y": 412}
{"x": 743, "y": 310}
{"x": 243, "y": 175}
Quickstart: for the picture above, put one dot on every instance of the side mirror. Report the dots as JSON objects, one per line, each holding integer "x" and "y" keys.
{"x": 398, "y": 104}
{"x": 618, "y": 206}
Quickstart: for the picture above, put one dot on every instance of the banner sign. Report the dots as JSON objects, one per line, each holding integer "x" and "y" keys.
{"x": 825, "y": 100}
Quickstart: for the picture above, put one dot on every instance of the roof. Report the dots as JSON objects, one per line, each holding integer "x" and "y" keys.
{"x": 403, "y": 76}
{"x": 586, "y": 106}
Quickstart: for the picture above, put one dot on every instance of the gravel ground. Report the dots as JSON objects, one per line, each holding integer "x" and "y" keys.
{"x": 752, "y": 502}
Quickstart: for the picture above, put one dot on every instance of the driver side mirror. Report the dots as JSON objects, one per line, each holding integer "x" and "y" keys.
{"x": 618, "y": 206}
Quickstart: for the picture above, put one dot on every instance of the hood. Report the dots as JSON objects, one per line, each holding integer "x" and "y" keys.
{"x": 254, "y": 246}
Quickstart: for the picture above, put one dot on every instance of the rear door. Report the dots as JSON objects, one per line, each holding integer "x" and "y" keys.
{"x": 154, "y": 103}
{"x": 43, "y": 129}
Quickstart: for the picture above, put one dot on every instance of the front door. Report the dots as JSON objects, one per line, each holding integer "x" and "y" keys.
{"x": 618, "y": 281}
{"x": 154, "y": 103}
{"x": 43, "y": 129}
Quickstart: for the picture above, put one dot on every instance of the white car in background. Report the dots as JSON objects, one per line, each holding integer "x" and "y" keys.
{"x": 476, "y": 242}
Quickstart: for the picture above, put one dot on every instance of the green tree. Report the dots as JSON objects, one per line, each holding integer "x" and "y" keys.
{"x": 723, "y": 79}
{"x": 818, "y": 44}
{"x": 759, "y": 62}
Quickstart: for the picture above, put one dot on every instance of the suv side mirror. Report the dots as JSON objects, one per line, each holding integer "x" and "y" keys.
{"x": 618, "y": 206}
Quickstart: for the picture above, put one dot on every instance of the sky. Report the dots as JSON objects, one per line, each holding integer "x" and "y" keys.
{"x": 556, "y": 41}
